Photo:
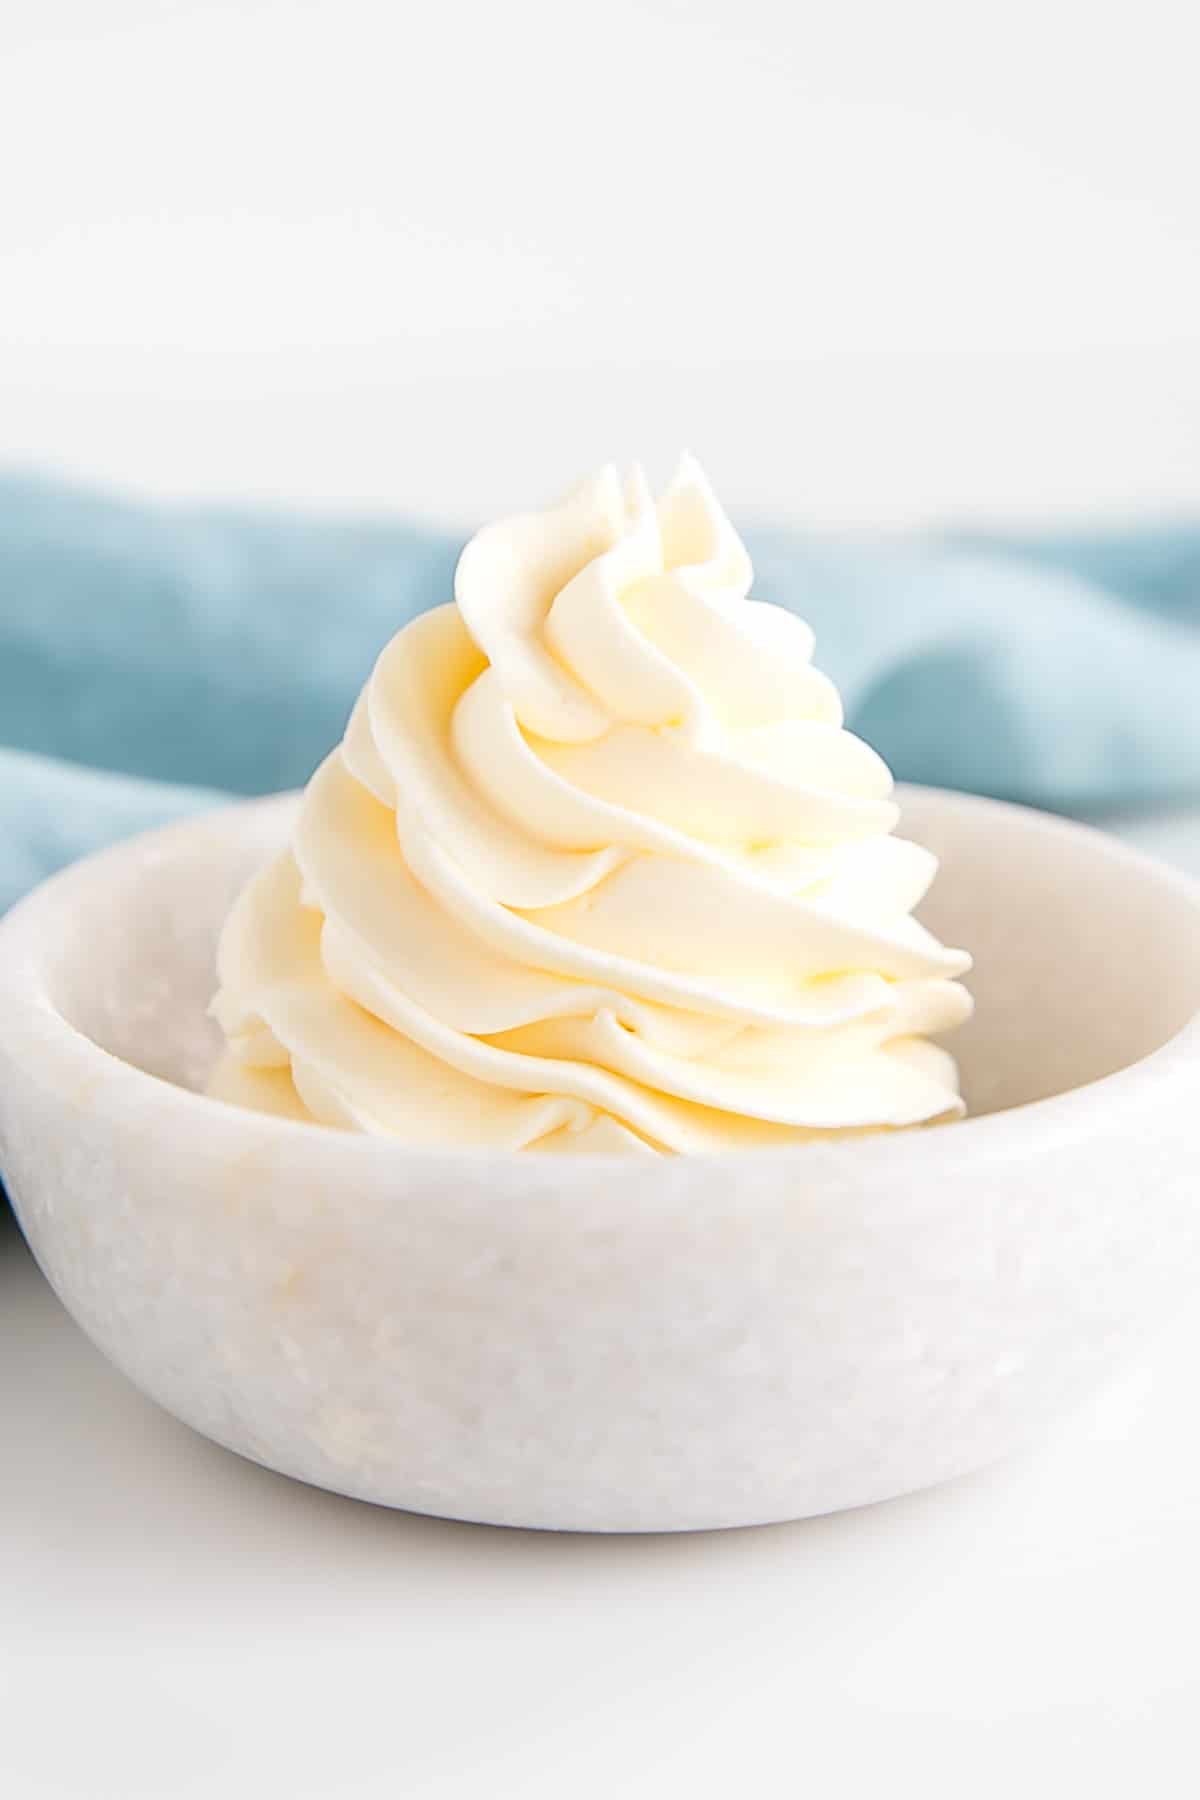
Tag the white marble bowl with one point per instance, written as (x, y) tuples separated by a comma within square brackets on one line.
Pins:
[(610, 1344)]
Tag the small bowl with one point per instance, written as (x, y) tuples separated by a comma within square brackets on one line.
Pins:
[(603, 1343)]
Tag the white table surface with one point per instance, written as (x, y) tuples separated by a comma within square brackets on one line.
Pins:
[(174, 1621)]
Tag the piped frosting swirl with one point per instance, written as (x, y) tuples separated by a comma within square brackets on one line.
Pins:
[(596, 866)]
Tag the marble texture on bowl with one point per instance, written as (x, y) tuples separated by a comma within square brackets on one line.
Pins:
[(614, 1344)]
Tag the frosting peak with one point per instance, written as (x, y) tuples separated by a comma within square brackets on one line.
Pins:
[(596, 866)]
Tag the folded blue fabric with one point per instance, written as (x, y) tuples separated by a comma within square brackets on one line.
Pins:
[(155, 658)]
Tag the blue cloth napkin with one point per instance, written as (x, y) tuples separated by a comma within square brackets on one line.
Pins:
[(154, 659)]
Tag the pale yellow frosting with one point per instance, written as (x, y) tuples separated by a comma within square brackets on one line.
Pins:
[(595, 867)]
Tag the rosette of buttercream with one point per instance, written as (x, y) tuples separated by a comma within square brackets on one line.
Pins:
[(597, 866)]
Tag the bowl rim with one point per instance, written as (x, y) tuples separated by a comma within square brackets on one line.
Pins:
[(1056, 1117)]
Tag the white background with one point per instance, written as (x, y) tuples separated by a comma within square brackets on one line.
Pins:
[(873, 262)]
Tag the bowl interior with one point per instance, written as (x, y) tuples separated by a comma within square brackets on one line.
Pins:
[(1087, 954), (1087, 958)]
